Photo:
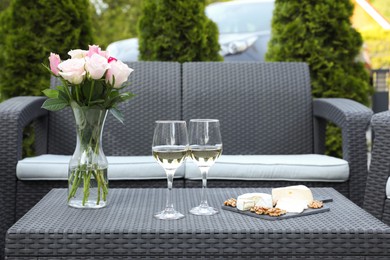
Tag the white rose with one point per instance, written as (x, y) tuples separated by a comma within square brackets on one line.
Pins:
[(77, 54), (72, 70), (118, 70), (96, 66)]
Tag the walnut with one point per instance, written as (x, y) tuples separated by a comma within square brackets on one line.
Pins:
[(231, 202), (259, 210), (316, 204), (275, 212)]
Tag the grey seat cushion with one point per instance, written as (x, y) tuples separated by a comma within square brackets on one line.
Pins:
[(306, 167), (55, 167), (309, 167), (388, 188)]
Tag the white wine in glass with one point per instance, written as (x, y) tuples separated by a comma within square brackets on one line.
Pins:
[(170, 148), (205, 147)]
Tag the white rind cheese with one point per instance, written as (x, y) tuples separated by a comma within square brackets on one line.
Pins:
[(249, 200), (298, 192), (291, 205)]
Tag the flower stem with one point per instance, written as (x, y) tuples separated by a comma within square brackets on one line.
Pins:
[(96, 176), (75, 184), (87, 180), (77, 93), (90, 92)]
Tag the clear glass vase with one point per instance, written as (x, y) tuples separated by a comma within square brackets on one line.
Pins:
[(87, 176)]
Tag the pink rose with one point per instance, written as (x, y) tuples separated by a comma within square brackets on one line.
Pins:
[(73, 70), (111, 59), (54, 60), (104, 54), (119, 71), (96, 66), (95, 49), (77, 54)]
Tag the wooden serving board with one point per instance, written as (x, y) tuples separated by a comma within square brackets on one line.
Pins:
[(306, 212)]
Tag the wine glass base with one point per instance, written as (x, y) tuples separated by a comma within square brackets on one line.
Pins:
[(203, 211), (169, 215)]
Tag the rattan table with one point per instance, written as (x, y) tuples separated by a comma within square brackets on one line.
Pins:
[(126, 228)]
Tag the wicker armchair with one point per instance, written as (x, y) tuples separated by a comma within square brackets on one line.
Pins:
[(377, 195)]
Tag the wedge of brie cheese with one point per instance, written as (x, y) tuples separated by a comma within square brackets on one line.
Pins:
[(291, 205), (249, 200), (298, 192)]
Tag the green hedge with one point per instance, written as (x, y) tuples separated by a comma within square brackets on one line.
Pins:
[(177, 30), (33, 29), (320, 33)]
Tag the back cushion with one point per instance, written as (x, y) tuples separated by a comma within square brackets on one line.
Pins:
[(263, 108), (157, 86)]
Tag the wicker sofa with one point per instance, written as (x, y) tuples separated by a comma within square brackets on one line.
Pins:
[(265, 109)]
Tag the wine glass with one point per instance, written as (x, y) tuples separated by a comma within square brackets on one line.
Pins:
[(170, 147), (205, 148)]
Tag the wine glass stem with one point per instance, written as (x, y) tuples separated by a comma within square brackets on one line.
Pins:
[(170, 174), (203, 201)]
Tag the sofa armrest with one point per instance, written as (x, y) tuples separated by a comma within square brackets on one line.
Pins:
[(375, 196), (15, 114), (353, 118), (18, 112)]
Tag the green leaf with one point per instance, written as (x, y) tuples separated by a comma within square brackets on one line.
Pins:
[(114, 94), (112, 99), (117, 114), (99, 89), (51, 93), (63, 93), (54, 104), (99, 101), (62, 88), (86, 89), (64, 96), (126, 96)]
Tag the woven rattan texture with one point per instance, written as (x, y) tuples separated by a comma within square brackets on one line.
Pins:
[(375, 200), (14, 116), (353, 118), (341, 187), (203, 257), (127, 228), (386, 212), (274, 112), (157, 87), (31, 192)]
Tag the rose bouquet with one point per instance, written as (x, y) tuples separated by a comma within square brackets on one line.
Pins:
[(91, 84), (89, 78)]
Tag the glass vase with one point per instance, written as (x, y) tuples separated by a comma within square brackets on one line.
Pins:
[(87, 176)]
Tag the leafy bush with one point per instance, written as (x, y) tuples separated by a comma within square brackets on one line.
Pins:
[(115, 20), (177, 30), (30, 30), (320, 34)]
